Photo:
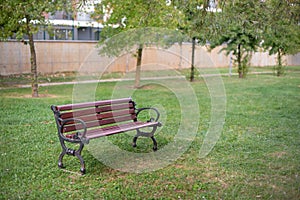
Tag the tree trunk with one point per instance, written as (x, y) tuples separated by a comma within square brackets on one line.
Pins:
[(239, 60), (192, 77), (279, 60), (34, 76), (138, 67)]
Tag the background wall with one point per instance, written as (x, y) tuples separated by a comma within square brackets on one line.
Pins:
[(62, 56)]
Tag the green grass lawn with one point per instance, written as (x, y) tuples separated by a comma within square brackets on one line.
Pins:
[(256, 157)]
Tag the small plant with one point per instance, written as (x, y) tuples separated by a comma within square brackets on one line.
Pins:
[(279, 70), (243, 64)]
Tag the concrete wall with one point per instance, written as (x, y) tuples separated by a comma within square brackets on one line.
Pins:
[(61, 56)]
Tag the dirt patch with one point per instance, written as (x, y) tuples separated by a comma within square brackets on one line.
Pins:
[(147, 87), (29, 96), (278, 154)]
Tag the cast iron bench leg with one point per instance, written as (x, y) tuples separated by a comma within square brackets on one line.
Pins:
[(153, 139), (134, 141), (154, 143), (78, 154), (61, 156), (71, 152)]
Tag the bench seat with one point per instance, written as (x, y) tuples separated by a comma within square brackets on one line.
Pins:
[(111, 130)]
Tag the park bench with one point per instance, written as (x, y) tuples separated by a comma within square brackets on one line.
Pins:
[(81, 122)]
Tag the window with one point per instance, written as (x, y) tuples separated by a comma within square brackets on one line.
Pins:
[(62, 34)]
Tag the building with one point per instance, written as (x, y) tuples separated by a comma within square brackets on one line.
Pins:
[(71, 26)]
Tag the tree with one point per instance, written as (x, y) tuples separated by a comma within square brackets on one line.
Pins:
[(137, 18), (282, 30), (198, 23), (21, 19), (239, 27)]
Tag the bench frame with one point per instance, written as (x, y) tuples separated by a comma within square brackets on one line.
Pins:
[(74, 129)]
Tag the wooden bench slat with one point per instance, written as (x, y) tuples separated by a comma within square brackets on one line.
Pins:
[(90, 111), (103, 116), (92, 124), (92, 104)]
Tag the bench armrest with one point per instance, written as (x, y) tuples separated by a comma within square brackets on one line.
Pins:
[(149, 108), (81, 136)]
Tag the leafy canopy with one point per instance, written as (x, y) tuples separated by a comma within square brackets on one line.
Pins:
[(15, 14), (282, 30), (144, 22), (199, 19), (238, 24), (239, 29)]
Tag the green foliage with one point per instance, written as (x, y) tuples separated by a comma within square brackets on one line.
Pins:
[(239, 30), (126, 41), (134, 24), (198, 24), (245, 25), (282, 31), (15, 13), (144, 23), (130, 14), (21, 19), (198, 21)]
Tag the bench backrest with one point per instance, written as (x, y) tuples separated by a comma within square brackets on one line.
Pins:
[(95, 114)]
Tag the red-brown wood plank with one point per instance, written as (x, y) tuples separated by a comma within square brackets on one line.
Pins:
[(92, 104), (103, 116), (89, 111), (92, 124)]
